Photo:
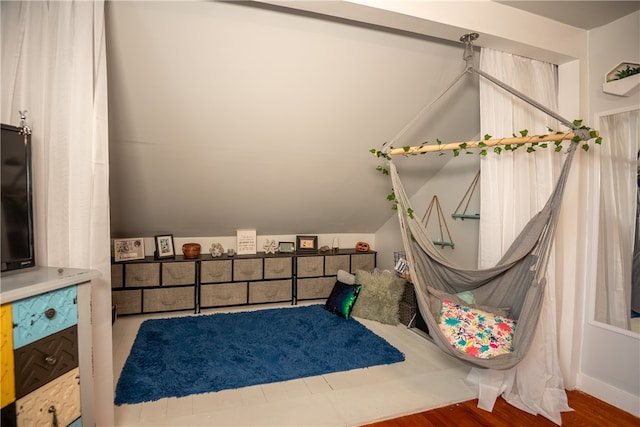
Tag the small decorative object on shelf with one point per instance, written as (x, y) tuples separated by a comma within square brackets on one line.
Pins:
[(191, 250), (128, 249), (270, 247), (216, 250), (231, 252), (363, 247), (325, 248), (402, 269), (335, 247), (164, 246)]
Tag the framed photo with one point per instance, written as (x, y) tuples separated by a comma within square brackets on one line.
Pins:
[(164, 246), (286, 247), (307, 243), (246, 242), (128, 249)]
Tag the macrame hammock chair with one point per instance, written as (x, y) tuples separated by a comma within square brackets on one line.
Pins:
[(516, 283)]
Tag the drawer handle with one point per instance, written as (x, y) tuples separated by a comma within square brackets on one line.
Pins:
[(52, 410), (51, 360), (50, 313)]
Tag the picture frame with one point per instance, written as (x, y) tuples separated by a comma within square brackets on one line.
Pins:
[(165, 247), (286, 247), (246, 241), (307, 243), (128, 249)]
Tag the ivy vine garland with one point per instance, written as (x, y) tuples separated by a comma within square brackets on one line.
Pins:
[(530, 148)]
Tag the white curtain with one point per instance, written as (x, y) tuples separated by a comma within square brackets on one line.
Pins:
[(618, 188), (513, 187), (54, 66)]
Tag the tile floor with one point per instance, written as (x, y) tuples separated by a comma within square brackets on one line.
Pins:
[(426, 379)]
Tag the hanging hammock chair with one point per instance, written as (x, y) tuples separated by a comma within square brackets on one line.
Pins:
[(509, 295)]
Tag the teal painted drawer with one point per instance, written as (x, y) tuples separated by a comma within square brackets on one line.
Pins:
[(42, 315)]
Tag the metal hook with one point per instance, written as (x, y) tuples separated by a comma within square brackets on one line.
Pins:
[(24, 128), (468, 40)]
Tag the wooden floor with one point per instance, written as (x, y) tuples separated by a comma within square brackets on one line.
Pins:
[(588, 412)]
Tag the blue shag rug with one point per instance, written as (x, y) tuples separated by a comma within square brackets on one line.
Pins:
[(199, 354)]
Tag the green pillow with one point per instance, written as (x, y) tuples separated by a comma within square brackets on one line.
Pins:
[(342, 299), (380, 296)]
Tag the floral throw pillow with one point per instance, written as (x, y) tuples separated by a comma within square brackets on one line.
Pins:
[(476, 332)]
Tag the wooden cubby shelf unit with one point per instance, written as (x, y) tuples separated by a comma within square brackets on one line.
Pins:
[(156, 285)]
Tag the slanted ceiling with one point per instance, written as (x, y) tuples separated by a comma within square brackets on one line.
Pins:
[(232, 115)]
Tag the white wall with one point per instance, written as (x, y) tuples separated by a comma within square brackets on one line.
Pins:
[(610, 365), (228, 115)]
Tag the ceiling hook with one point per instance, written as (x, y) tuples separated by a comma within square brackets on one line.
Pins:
[(468, 40)]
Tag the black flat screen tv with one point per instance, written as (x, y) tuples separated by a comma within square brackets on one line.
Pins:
[(17, 205)]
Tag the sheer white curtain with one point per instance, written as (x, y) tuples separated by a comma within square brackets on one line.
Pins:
[(54, 66), (618, 177), (513, 187)]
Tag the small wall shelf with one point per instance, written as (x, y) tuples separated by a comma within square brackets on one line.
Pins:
[(443, 244), (621, 87), (464, 216)]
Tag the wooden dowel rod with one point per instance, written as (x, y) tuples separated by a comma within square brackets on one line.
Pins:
[(488, 143)]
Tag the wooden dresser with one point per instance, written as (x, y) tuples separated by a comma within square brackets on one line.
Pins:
[(46, 347)]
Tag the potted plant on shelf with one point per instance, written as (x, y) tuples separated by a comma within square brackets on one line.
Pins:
[(622, 79)]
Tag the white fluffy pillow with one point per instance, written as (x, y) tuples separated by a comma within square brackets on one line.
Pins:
[(346, 277)]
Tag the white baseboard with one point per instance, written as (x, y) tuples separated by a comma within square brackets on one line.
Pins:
[(608, 393)]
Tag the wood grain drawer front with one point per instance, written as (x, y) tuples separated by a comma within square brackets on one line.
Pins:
[(310, 266), (45, 314), (63, 394), (278, 268), (247, 269), (271, 291), (178, 273), (222, 294), (315, 288), (7, 383), (143, 274), (168, 299), (127, 301), (215, 271), (117, 276), (40, 362), (363, 262), (334, 263)]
